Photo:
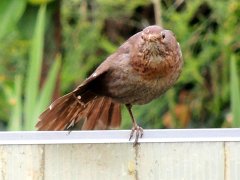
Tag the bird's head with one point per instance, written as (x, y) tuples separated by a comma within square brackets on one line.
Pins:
[(158, 42)]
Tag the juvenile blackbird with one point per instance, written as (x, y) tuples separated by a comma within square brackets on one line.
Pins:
[(141, 69)]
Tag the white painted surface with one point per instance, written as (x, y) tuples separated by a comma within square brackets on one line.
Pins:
[(179, 155), (21, 162), (232, 154), (119, 136)]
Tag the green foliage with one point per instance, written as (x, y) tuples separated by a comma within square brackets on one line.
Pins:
[(207, 42), (235, 93), (11, 49), (10, 12), (36, 101), (34, 68), (16, 116), (208, 32), (25, 111), (46, 93)]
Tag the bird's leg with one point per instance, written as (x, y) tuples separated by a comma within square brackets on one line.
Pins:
[(135, 127)]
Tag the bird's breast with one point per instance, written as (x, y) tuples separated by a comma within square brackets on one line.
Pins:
[(127, 86)]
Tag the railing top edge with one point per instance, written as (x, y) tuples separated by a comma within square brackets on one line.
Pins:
[(119, 136)]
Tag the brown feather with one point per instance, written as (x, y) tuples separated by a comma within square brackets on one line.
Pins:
[(67, 111), (61, 113), (104, 117), (93, 114), (116, 116), (100, 113)]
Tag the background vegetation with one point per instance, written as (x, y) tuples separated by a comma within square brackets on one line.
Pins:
[(47, 47)]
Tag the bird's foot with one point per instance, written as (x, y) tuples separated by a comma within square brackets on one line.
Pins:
[(139, 133)]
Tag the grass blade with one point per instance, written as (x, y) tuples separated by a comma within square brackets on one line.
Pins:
[(235, 93), (33, 74), (16, 116), (47, 91), (10, 12)]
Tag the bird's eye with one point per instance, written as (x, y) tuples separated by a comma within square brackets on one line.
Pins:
[(163, 35)]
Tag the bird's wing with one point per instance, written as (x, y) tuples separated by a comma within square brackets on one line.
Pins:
[(82, 103)]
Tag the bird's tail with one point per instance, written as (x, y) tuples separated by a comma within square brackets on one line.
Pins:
[(88, 110)]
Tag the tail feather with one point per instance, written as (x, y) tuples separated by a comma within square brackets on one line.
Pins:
[(108, 116), (105, 117), (100, 116), (60, 113), (67, 111), (116, 116), (93, 114)]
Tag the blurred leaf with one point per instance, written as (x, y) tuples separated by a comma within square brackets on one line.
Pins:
[(10, 12), (107, 45), (39, 2), (16, 116), (27, 22), (235, 93), (47, 91), (34, 69)]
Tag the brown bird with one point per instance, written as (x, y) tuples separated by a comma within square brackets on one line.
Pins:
[(141, 69)]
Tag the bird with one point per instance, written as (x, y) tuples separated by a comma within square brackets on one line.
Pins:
[(143, 68)]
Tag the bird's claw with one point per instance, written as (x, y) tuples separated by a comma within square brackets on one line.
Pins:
[(139, 133)]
